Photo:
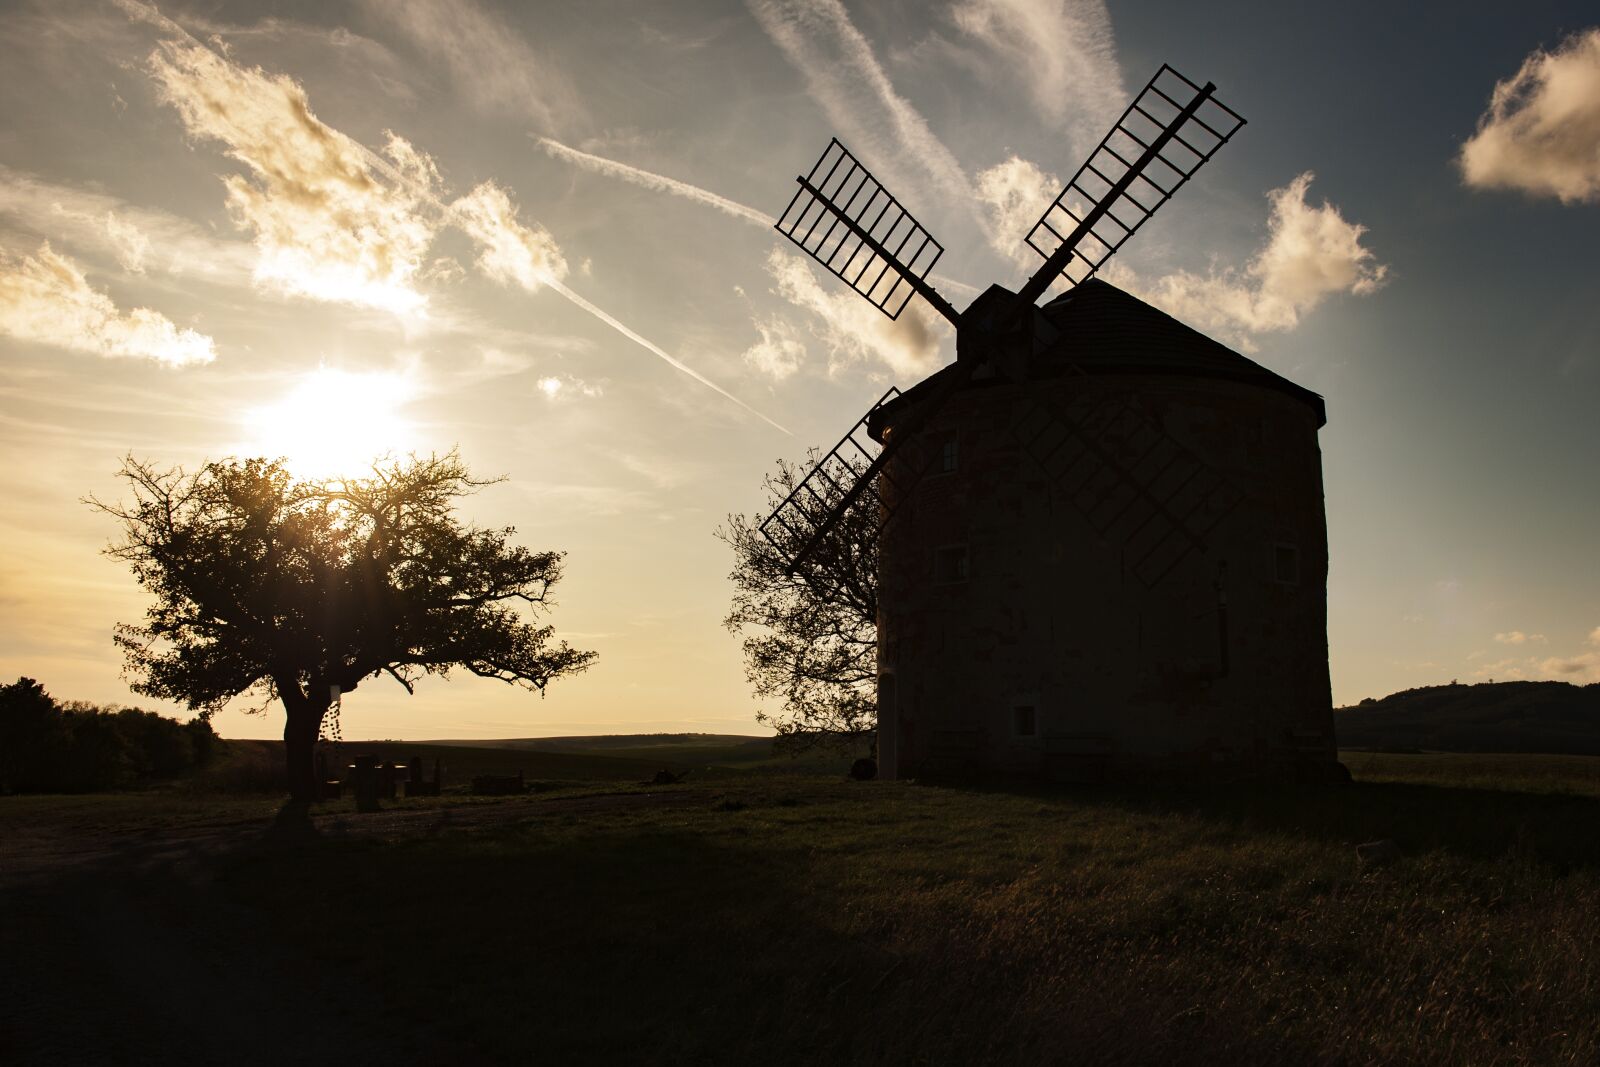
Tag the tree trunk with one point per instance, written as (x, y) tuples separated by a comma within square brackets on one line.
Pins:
[(300, 729)]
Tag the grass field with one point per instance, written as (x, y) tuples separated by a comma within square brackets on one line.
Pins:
[(804, 919), (546, 762)]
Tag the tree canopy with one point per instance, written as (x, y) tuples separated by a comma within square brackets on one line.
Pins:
[(810, 638), (284, 588)]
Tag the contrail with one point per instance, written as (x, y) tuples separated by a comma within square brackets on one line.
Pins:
[(658, 182), (651, 347), (149, 13)]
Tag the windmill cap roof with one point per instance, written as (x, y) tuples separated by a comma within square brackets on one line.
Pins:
[(1102, 328)]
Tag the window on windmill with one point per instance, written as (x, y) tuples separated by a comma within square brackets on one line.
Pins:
[(1287, 564), (948, 457), (1024, 723), (950, 564)]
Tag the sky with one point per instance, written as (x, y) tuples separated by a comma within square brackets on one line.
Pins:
[(542, 234)]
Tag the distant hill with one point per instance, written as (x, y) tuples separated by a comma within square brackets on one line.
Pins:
[(1553, 717)]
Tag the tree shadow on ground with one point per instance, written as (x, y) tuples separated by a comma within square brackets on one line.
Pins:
[(291, 827)]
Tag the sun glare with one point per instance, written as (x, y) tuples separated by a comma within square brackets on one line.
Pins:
[(335, 422)]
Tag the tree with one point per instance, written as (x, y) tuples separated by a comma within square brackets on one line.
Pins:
[(285, 589), (49, 746), (33, 739), (810, 639)]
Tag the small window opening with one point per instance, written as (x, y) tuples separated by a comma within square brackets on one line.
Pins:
[(1287, 561), (950, 564), (949, 457), (1023, 721)]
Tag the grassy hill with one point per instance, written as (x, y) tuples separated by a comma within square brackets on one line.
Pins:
[(1555, 717)]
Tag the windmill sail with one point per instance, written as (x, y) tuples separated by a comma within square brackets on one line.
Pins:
[(846, 220), (837, 481), (1167, 134)]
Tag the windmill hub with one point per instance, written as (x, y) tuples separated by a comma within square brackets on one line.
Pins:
[(998, 334)]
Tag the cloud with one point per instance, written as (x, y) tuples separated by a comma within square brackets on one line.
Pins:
[(852, 329), (660, 183), (508, 249), (487, 60), (328, 225), (1310, 254), (325, 222), (1015, 194), (673, 187), (779, 353), (1063, 50), (566, 387), (844, 77), (131, 245), (511, 252), (1541, 133), (1579, 668), (45, 298), (102, 226), (1587, 664)]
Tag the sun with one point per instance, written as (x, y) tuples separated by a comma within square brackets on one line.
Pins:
[(335, 422)]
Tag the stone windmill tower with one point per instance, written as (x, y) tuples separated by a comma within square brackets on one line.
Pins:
[(1102, 547)]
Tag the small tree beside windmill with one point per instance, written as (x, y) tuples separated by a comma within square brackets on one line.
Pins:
[(1102, 545)]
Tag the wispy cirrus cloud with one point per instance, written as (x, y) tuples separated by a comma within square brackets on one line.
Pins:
[(509, 250), (106, 227), (1064, 53), (487, 60), (45, 298), (660, 183), (326, 224), (845, 78), (780, 352), (1015, 194), (1541, 132), (336, 221), (512, 252), (1517, 637), (851, 329), (564, 387)]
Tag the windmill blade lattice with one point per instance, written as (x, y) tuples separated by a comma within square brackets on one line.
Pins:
[(797, 524), (1167, 134), (846, 220), (846, 478)]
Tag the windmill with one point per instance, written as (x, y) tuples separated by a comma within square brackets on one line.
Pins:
[(846, 220), (1059, 599)]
